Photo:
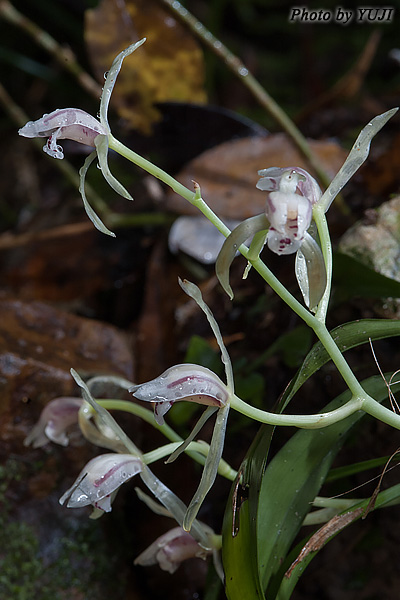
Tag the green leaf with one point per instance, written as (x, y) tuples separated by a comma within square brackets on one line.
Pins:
[(293, 479), (346, 336), (278, 500), (353, 278), (242, 581)]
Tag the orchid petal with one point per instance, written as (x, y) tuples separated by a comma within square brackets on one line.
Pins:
[(171, 549), (65, 123), (311, 272), (101, 143), (107, 419), (111, 79), (173, 504), (358, 154), (101, 435), (203, 419), (97, 222), (194, 292), (228, 251), (210, 467)]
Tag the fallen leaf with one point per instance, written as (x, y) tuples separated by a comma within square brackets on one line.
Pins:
[(168, 67), (227, 174)]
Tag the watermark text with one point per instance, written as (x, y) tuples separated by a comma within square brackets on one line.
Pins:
[(343, 16)]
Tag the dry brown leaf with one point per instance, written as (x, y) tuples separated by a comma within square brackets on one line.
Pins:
[(227, 174), (168, 67), (320, 537)]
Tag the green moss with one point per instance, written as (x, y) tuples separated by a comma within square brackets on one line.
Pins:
[(75, 564)]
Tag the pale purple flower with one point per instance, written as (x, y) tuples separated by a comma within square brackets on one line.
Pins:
[(56, 417), (293, 192), (61, 124), (98, 483), (171, 549), (76, 124), (189, 382)]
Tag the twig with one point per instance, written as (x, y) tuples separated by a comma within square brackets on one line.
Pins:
[(348, 85), (241, 71), (64, 56)]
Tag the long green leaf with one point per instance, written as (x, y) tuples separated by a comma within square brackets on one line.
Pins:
[(293, 479), (239, 555), (346, 336)]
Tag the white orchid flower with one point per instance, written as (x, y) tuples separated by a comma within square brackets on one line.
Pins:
[(289, 206), (79, 126), (288, 215), (99, 481), (189, 382)]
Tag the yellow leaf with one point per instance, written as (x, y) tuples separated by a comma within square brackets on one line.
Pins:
[(168, 67)]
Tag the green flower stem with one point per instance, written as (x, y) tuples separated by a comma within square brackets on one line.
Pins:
[(196, 451), (337, 503), (315, 421), (360, 399), (201, 447)]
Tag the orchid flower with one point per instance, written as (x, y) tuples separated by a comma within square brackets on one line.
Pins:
[(99, 481), (163, 494), (79, 126), (171, 549), (288, 214), (195, 383), (189, 382), (55, 419), (176, 545)]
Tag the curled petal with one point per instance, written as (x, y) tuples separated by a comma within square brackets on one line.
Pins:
[(105, 417), (97, 222), (56, 417), (189, 382), (171, 549), (111, 79), (194, 292), (239, 235), (203, 419), (100, 480), (311, 272), (210, 467), (101, 143)]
